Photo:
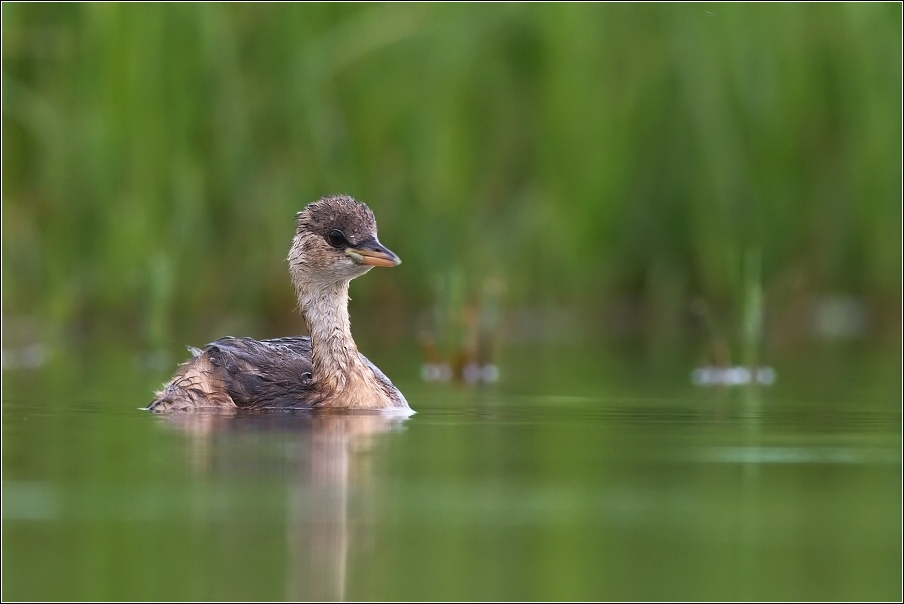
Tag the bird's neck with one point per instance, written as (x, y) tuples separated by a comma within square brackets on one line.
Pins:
[(336, 362)]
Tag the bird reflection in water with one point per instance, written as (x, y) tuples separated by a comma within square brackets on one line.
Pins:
[(329, 469)]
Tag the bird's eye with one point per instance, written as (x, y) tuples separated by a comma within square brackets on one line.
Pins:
[(336, 238)]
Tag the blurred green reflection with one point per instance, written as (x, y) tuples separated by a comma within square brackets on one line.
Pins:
[(642, 487)]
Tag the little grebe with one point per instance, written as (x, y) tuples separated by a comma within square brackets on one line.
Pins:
[(335, 241)]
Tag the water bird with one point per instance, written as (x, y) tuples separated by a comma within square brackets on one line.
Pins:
[(335, 241)]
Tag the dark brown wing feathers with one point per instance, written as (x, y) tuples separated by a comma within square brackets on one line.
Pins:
[(244, 373)]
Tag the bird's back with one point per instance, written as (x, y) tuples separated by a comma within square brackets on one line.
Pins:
[(243, 373)]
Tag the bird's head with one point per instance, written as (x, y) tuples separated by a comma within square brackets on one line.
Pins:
[(336, 240)]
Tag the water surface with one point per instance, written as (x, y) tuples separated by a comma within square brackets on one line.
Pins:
[(631, 489)]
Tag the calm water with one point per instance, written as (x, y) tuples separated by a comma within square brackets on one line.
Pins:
[(593, 482)]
